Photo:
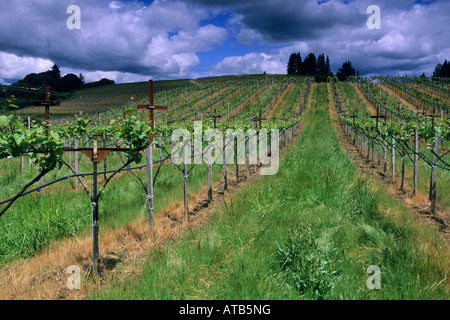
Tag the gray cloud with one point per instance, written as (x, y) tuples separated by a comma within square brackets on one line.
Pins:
[(131, 40), (285, 21), (413, 37), (160, 39)]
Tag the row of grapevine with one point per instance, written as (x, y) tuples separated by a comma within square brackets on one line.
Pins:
[(398, 137), (420, 99), (128, 132)]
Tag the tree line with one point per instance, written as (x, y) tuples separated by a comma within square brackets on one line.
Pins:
[(442, 70), (23, 97), (318, 67)]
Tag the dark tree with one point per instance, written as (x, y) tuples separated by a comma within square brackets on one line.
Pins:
[(295, 64), (291, 64), (55, 72), (442, 70), (71, 82), (345, 71), (321, 65), (327, 66), (100, 83), (35, 80), (298, 63), (310, 64), (82, 78)]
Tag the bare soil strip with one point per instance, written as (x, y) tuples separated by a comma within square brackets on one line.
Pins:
[(225, 100), (211, 97), (368, 105), (419, 204), (280, 101), (239, 109), (398, 97)]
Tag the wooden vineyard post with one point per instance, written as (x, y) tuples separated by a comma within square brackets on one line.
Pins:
[(416, 157), (215, 115), (367, 146), (403, 169), (105, 163), (355, 115), (432, 194), (95, 224), (30, 162), (185, 185), (379, 148), (433, 190), (21, 163), (373, 149), (160, 148), (225, 166), (385, 153), (247, 157), (151, 107), (210, 184), (236, 162), (69, 144), (393, 159), (77, 171), (96, 155), (149, 163), (377, 131), (47, 104), (258, 120)]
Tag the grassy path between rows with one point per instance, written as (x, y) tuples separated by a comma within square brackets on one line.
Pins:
[(309, 232)]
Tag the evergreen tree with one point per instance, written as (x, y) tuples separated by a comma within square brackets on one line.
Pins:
[(442, 70), (327, 66), (321, 66), (82, 78), (295, 64), (71, 82), (55, 72), (345, 71), (310, 64), (298, 63), (291, 64)]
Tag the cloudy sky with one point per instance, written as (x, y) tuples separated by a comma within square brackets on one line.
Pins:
[(130, 41)]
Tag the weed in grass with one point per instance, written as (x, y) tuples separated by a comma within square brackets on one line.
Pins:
[(311, 269)]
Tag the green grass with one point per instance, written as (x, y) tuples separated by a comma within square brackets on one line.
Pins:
[(309, 232), (36, 220), (289, 102), (353, 99)]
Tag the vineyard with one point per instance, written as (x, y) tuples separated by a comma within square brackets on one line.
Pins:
[(90, 166)]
